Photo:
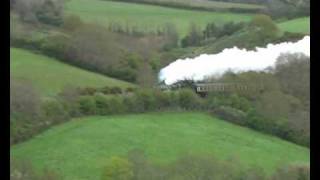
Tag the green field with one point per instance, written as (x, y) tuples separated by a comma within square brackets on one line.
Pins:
[(301, 25), (207, 4), (80, 148), (49, 76), (146, 17)]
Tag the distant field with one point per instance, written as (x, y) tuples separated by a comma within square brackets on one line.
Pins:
[(201, 4), (50, 76), (146, 17), (301, 25), (80, 148)]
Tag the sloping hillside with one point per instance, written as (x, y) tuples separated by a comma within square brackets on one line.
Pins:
[(301, 25), (146, 17), (51, 76), (80, 148)]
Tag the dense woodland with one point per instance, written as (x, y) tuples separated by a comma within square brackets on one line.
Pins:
[(282, 109)]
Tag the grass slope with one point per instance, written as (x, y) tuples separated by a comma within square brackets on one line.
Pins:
[(79, 149), (49, 76), (146, 17), (301, 25), (207, 4)]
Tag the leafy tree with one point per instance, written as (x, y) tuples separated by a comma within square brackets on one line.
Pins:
[(265, 26), (193, 38), (171, 36)]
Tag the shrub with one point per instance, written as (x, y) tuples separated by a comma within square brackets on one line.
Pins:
[(71, 23), (117, 169), (230, 114), (163, 100), (145, 100), (88, 91), (193, 38), (265, 26), (115, 90), (116, 105), (54, 112), (105, 90), (87, 105), (102, 104), (189, 100)]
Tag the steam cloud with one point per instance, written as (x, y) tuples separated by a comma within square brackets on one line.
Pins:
[(233, 59)]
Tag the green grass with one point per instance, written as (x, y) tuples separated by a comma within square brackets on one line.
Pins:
[(50, 76), (301, 25), (214, 5), (80, 148), (146, 17)]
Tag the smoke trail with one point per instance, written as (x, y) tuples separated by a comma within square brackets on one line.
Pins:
[(233, 59)]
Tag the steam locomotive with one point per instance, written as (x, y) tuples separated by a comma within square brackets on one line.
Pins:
[(203, 88)]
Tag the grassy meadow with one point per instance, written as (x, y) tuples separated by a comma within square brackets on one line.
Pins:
[(50, 76), (300, 25), (146, 17), (207, 4), (79, 149)]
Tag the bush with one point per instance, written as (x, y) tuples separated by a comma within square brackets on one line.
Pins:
[(118, 169), (163, 100), (86, 105), (88, 91), (71, 23), (145, 100), (54, 112), (115, 90), (102, 104), (116, 104), (189, 100), (193, 38), (265, 26), (230, 114)]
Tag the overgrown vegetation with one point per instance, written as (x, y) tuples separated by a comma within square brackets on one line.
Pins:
[(34, 11), (23, 169), (136, 166), (281, 108)]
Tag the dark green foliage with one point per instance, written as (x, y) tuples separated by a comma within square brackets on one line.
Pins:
[(145, 100), (102, 104), (211, 30), (264, 25), (115, 90), (71, 23), (87, 105), (171, 35), (51, 12), (54, 112), (33, 11), (193, 38), (230, 114), (88, 91), (189, 100)]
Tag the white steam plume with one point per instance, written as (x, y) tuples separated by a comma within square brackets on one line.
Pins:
[(233, 59)]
